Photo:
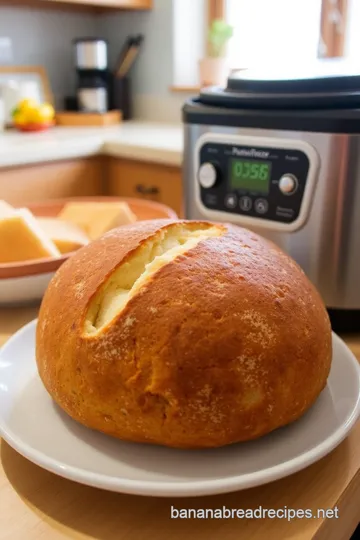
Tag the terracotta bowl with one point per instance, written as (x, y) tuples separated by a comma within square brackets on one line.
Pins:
[(142, 209)]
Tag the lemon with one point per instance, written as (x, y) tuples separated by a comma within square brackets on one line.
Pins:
[(46, 112), (30, 112), (27, 104), (25, 111), (20, 118), (33, 115)]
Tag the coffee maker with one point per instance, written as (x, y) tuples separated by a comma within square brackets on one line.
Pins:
[(91, 62)]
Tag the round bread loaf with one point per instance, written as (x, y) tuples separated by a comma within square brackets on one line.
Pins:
[(184, 334)]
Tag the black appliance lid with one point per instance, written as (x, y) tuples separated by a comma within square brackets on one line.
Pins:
[(330, 83)]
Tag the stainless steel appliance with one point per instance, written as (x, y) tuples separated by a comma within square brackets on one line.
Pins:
[(91, 62), (92, 95), (91, 54), (280, 154)]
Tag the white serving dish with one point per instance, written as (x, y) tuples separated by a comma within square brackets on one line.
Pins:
[(34, 426)]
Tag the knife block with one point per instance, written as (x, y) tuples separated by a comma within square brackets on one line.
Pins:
[(121, 97)]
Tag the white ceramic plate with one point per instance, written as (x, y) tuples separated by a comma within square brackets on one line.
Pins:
[(23, 290), (40, 431)]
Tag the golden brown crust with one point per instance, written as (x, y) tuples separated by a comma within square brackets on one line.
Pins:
[(224, 344)]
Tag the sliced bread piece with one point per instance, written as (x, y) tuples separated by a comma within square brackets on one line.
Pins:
[(22, 238), (66, 236)]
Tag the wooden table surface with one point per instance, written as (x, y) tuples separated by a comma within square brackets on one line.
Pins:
[(37, 505)]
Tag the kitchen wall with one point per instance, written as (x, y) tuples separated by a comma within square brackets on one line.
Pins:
[(44, 37), (153, 72)]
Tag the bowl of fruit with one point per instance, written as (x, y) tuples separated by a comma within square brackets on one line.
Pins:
[(31, 116)]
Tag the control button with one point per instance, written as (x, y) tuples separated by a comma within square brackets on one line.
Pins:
[(211, 199), (245, 204), (207, 175), (261, 206), (287, 213), (288, 184), (230, 201)]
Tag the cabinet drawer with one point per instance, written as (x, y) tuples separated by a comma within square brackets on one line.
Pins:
[(149, 181)]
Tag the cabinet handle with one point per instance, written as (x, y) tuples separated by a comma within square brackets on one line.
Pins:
[(151, 190)]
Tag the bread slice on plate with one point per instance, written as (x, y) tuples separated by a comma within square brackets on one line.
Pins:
[(66, 236), (97, 218), (22, 238)]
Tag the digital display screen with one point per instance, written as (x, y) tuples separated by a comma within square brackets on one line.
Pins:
[(250, 175)]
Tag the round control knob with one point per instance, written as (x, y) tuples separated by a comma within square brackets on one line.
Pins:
[(208, 175), (288, 184)]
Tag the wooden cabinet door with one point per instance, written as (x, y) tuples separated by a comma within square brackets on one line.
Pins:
[(121, 4), (33, 183), (128, 178)]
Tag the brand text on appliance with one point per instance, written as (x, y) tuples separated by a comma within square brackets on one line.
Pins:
[(250, 152)]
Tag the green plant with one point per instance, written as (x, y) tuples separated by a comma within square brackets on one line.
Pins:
[(219, 34)]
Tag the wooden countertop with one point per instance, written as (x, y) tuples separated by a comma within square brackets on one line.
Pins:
[(35, 504)]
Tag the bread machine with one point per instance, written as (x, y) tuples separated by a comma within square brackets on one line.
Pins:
[(279, 153)]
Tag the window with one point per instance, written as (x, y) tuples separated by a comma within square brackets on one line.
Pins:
[(189, 24), (273, 31), (352, 34), (270, 32)]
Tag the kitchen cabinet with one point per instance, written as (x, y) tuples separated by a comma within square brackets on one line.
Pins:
[(121, 4), (71, 178), (150, 181), (125, 4), (100, 175), (105, 4)]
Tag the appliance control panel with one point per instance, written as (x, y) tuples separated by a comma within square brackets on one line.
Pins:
[(255, 181)]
